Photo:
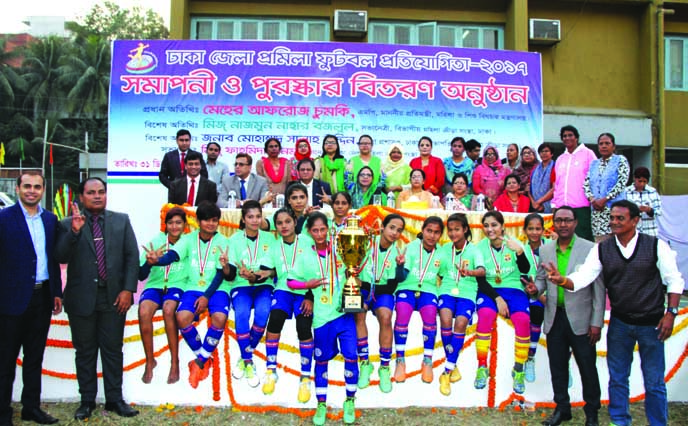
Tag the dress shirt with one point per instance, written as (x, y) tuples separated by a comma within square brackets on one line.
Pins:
[(37, 231), (666, 263), (216, 172), (309, 187)]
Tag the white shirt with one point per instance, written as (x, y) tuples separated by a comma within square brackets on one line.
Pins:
[(666, 263), (188, 187), (309, 187)]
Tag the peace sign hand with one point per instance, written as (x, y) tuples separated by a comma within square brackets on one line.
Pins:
[(152, 255), (512, 244), (324, 197), (78, 219), (401, 257), (553, 273), (224, 257)]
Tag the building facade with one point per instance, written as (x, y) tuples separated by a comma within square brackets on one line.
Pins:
[(618, 66)]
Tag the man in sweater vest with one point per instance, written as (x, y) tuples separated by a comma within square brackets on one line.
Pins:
[(633, 267)]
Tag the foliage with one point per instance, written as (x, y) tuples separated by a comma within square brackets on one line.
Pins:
[(111, 22)]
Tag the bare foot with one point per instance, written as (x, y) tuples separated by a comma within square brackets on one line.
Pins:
[(173, 377), (148, 372)]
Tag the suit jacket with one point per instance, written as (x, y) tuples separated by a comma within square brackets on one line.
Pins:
[(584, 308), (255, 189), (177, 192), (79, 253), (171, 168), (18, 260)]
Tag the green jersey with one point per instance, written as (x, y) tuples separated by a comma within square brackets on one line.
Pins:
[(500, 266), (533, 258), (423, 267), (250, 253), (201, 259), (327, 302), (380, 265), (161, 277), (282, 258), (453, 283)]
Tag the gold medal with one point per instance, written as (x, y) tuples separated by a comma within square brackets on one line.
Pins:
[(455, 292), (166, 279), (498, 278), (324, 299), (417, 294), (201, 283)]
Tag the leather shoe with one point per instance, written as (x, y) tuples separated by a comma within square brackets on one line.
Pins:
[(85, 410), (39, 416), (121, 408), (592, 421), (557, 418)]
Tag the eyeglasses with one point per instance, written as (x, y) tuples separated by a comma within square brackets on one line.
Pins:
[(330, 143), (564, 220), (240, 164), (365, 175), (365, 143), (416, 177)]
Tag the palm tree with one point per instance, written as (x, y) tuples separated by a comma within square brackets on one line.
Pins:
[(10, 81), (85, 76), (40, 73)]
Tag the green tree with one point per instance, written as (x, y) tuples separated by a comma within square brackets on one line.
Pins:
[(10, 80), (110, 21), (40, 67), (85, 76)]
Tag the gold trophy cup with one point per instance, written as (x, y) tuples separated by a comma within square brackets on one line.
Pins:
[(352, 246)]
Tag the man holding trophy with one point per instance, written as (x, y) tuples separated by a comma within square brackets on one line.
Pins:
[(323, 269)]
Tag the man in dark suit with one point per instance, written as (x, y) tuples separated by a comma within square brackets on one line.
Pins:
[(193, 188), (254, 187), (172, 167), (573, 321), (100, 250), (30, 289), (318, 191)]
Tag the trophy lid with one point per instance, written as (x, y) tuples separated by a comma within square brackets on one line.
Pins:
[(353, 221)]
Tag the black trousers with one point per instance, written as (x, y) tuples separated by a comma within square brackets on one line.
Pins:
[(559, 340), (102, 331), (30, 332)]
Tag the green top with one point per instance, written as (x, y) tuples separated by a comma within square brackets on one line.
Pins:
[(326, 306), (197, 254), (563, 265), (161, 277), (355, 164), (250, 253), (380, 265), (451, 260), (332, 172), (505, 258), (282, 258), (423, 267)]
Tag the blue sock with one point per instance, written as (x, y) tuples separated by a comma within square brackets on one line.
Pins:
[(362, 348), (191, 337), (256, 334), (429, 335), (212, 339), (446, 334), (453, 355), (351, 377), (244, 342), (321, 380), (306, 349), (400, 336), (385, 356), (271, 348)]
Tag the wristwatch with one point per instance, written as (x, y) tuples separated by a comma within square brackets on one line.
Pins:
[(672, 310)]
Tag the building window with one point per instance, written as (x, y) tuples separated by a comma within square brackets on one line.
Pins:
[(437, 34), (259, 29), (676, 59)]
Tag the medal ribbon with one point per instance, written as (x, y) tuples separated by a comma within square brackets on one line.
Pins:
[(427, 265), (458, 271), (201, 264), (252, 258), (497, 265), (376, 256), (167, 268), (293, 257)]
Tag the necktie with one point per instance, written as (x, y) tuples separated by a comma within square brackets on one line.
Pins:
[(192, 190), (182, 162), (243, 189), (99, 244)]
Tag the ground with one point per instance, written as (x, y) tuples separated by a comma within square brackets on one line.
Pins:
[(170, 415)]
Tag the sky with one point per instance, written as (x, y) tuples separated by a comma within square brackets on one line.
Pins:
[(12, 17)]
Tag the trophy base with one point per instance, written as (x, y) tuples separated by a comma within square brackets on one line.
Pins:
[(352, 304)]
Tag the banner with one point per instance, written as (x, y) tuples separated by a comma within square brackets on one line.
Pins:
[(240, 93)]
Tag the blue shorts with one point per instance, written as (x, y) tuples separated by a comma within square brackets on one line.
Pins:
[(536, 302), (457, 305), (160, 296), (219, 302), (251, 297), (516, 300), (338, 335), (380, 301), (288, 302), (409, 296)]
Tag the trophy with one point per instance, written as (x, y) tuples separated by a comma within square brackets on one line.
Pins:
[(352, 247)]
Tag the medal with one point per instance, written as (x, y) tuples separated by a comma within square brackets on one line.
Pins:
[(376, 255), (167, 268), (323, 271), (498, 269), (461, 262), (324, 299), (424, 269), (417, 294), (293, 256), (202, 263), (252, 257), (498, 278)]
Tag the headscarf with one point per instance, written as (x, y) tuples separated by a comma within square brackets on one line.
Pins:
[(298, 157), (358, 196), (523, 171), (497, 165), (390, 166)]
